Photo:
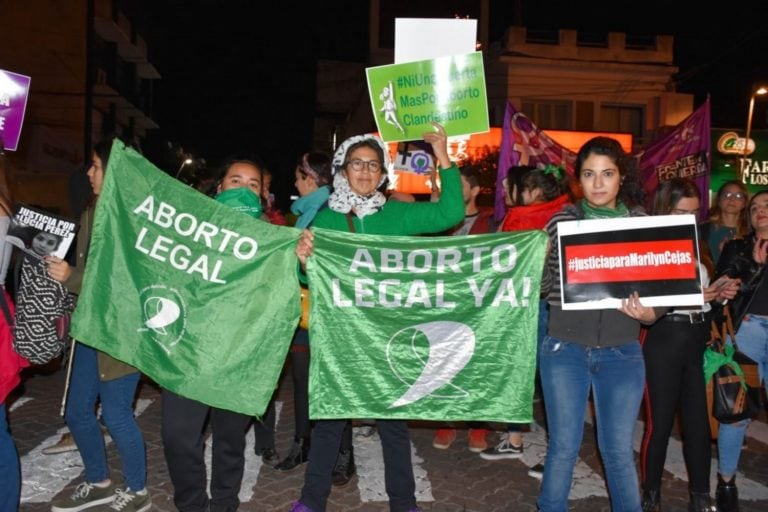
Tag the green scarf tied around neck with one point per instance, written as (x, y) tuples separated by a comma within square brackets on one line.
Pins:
[(602, 212)]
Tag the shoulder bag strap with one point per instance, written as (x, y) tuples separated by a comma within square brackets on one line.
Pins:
[(6, 309)]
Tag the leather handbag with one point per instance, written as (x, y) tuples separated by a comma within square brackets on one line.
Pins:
[(733, 389)]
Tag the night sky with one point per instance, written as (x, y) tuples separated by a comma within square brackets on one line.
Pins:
[(240, 75)]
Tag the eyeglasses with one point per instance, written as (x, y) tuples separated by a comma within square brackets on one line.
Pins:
[(734, 195), (680, 211), (357, 165)]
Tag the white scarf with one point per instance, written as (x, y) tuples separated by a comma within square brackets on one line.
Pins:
[(344, 200)]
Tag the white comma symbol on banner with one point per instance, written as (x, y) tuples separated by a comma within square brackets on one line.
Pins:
[(160, 313), (451, 346)]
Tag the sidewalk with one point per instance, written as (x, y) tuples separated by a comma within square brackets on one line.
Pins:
[(457, 479)]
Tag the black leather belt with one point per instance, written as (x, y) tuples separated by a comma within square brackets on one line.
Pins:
[(690, 318)]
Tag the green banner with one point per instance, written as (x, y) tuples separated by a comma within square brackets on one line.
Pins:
[(199, 297), (407, 98), (433, 328)]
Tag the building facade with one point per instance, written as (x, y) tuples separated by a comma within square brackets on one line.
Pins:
[(562, 79), (91, 77)]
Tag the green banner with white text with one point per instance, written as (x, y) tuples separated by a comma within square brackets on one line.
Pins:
[(406, 98), (201, 298), (432, 328)]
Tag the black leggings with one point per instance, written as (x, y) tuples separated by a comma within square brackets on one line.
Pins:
[(674, 353)]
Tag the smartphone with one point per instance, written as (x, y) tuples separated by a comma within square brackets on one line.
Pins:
[(722, 281)]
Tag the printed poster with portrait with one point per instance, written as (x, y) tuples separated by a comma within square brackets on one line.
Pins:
[(603, 261), (40, 233)]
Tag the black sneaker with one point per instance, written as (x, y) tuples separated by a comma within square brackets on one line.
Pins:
[(536, 471), (269, 456), (503, 450), (299, 454), (344, 470)]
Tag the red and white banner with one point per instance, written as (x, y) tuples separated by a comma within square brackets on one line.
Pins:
[(603, 261)]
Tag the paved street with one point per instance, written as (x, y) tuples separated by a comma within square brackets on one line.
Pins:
[(450, 480)]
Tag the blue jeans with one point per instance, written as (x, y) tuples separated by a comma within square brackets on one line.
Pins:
[(10, 481), (752, 340), (117, 413), (616, 376)]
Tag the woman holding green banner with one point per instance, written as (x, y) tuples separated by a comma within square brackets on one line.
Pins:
[(358, 205), (184, 419), (595, 350), (97, 376)]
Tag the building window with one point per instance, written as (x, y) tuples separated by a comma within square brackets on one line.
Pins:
[(547, 114), (622, 118)]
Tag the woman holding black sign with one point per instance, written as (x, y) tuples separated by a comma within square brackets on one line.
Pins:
[(595, 350)]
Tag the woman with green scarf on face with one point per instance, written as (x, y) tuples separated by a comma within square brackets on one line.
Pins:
[(595, 350), (183, 419)]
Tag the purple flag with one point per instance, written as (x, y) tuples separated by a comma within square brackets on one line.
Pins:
[(13, 102), (523, 143), (682, 153)]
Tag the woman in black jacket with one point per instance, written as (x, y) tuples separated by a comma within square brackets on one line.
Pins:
[(745, 259)]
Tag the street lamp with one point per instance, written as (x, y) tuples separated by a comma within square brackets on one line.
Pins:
[(186, 161), (758, 92)]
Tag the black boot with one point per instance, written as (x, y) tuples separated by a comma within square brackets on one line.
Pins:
[(345, 468), (299, 454), (268, 456), (651, 500), (726, 495), (701, 502)]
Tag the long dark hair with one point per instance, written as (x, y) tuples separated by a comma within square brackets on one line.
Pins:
[(552, 186), (221, 173), (670, 193), (101, 149), (319, 163), (716, 214), (749, 206), (631, 191)]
